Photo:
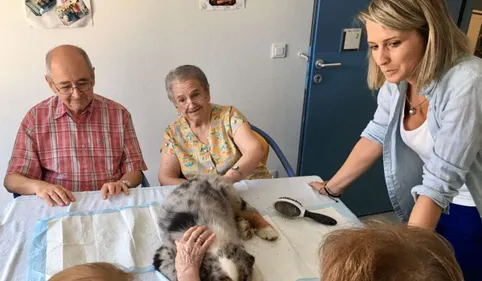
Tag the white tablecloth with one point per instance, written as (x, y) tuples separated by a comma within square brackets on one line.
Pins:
[(18, 219)]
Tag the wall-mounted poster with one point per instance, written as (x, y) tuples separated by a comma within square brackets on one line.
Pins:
[(58, 13), (221, 5)]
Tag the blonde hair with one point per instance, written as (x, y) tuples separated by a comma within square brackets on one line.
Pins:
[(99, 271), (445, 42), (384, 252)]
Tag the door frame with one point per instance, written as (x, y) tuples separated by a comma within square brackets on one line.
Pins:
[(309, 72)]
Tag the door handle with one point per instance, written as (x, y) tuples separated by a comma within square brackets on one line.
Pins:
[(304, 56), (322, 64)]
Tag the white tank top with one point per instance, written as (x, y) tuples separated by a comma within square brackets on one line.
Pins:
[(421, 141)]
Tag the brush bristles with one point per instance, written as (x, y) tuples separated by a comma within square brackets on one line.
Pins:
[(289, 198)]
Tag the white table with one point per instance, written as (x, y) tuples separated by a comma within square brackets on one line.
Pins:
[(18, 219)]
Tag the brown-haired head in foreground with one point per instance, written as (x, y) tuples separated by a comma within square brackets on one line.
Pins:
[(99, 271), (384, 252)]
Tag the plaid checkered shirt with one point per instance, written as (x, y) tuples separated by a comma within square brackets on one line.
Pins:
[(80, 154)]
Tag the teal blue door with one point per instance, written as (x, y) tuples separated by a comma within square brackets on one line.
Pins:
[(338, 104)]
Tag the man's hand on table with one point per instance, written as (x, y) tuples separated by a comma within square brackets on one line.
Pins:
[(54, 194), (57, 195), (113, 188)]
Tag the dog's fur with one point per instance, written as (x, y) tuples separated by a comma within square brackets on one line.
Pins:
[(213, 202)]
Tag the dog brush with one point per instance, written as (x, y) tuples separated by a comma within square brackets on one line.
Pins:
[(291, 208)]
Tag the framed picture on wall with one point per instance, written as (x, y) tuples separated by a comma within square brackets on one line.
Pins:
[(72, 11), (222, 2), (221, 5), (58, 13), (40, 7)]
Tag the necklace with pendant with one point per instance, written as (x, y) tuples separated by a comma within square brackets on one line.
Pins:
[(413, 109)]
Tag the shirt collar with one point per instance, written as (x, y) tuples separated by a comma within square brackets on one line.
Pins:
[(425, 91), (61, 109)]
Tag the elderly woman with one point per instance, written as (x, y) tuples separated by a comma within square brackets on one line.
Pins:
[(206, 138)]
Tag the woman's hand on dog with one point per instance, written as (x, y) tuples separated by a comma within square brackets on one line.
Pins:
[(191, 249)]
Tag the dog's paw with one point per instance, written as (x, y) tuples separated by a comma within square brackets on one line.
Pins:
[(244, 229), (267, 233)]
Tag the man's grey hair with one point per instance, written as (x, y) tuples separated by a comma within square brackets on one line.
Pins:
[(184, 73), (48, 58)]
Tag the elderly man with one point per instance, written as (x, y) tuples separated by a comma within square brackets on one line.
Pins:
[(75, 140)]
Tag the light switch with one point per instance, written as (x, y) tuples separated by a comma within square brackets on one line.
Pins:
[(278, 51)]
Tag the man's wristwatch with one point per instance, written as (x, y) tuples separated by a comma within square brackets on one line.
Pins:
[(127, 183), (236, 168)]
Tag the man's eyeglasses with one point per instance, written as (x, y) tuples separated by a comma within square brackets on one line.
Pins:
[(68, 89)]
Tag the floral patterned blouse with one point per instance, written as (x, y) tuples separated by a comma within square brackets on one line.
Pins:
[(216, 156)]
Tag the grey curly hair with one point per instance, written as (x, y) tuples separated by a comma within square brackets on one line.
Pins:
[(184, 73)]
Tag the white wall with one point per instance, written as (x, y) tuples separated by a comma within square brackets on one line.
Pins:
[(133, 44)]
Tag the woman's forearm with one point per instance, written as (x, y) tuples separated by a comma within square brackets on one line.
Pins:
[(170, 170), (365, 153), (426, 213), (168, 180), (247, 164)]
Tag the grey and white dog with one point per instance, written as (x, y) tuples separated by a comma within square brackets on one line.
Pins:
[(213, 202)]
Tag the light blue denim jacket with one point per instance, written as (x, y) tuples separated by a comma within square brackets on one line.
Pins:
[(455, 122)]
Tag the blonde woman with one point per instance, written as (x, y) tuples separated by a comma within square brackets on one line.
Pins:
[(428, 124), (206, 138)]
